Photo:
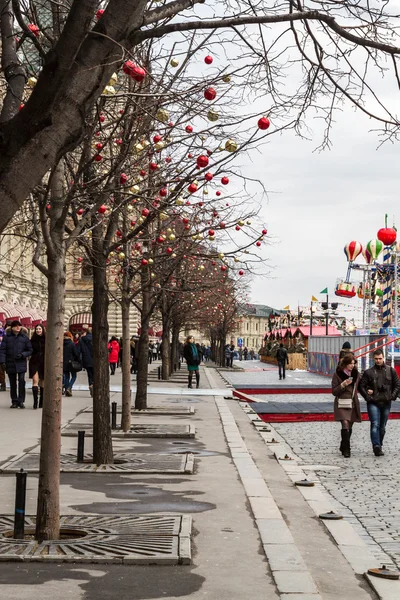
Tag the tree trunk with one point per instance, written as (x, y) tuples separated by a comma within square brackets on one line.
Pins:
[(143, 357), (48, 503), (165, 351), (102, 440), (174, 346), (126, 367)]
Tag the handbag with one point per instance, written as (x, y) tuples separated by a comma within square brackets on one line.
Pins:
[(75, 365), (347, 402)]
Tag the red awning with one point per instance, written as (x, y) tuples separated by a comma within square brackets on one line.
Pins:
[(81, 319), (27, 316)]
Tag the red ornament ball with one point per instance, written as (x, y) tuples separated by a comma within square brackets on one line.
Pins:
[(157, 138), (208, 60), (98, 158), (241, 272), (102, 209), (264, 232), (218, 193), (224, 180), (145, 212), (123, 178), (208, 176), (192, 188), (34, 29), (188, 129), (163, 192), (153, 166), (263, 123), (210, 94), (202, 161), (100, 13)]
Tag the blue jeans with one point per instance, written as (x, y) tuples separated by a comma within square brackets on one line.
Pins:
[(69, 379), (378, 415)]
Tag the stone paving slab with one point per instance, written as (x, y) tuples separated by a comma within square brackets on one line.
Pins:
[(140, 539), (124, 463), (136, 431)]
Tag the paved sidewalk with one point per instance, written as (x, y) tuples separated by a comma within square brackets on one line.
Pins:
[(255, 537)]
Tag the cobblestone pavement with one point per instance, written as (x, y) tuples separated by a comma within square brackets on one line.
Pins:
[(366, 489)]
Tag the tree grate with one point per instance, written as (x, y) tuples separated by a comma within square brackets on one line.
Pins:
[(154, 411), (136, 431), (139, 539), (130, 463)]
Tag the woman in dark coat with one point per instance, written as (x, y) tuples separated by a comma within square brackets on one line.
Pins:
[(70, 353), (36, 364), (347, 406), (192, 357)]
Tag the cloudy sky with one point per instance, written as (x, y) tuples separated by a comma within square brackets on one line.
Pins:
[(320, 201)]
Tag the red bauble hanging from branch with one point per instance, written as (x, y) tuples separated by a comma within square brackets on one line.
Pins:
[(202, 162), (210, 94), (263, 123)]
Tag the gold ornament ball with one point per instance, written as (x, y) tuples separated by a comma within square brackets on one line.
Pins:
[(138, 148), (179, 201), (172, 237), (150, 261), (121, 255), (212, 115), (163, 216), (241, 223), (109, 90), (162, 115), (226, 78), (221, 255), (114, 79), (231, 146), (159, 145), (174, 63), (32, 81)]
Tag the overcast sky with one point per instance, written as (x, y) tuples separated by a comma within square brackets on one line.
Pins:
[(320, 201)]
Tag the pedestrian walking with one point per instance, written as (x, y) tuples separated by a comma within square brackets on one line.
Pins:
[(240, 353), (192, 357), (15, 348), (245, 352), (155, 353), (86, 354), (2, 372), (36, 365), (227, 356), (346, 349), (70, 358), (379, 386), (252, 354), (345, 382), (113, 353), (133, 343), (283, 359)]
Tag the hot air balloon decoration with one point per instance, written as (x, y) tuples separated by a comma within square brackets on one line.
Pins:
[(352, 250)]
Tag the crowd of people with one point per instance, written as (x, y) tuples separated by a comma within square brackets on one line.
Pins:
[(19, 354)]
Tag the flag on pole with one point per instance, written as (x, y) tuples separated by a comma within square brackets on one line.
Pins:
[(314, 299), (324, 291), (286, 307)]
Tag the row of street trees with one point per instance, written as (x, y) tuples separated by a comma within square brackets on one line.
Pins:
[(120, 146)]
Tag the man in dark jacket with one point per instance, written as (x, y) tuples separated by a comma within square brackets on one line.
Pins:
[(86, 351), (379, 386), (15, 348), (283, 359)]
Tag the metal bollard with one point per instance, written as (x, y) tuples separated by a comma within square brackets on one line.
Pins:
[(159, 372), (20, 497), (113, 415), (81, 446)]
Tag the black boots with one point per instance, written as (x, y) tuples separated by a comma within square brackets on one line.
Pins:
[(190, 380), (345, 445), (197, 379), (35, 391), (41, 398)]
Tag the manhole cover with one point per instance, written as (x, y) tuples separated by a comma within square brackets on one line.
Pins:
[(139, 539), (124, 463), (330, 516), (384, 573), (304, 483)]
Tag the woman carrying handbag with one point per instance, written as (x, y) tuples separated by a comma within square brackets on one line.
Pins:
[(347, 406)]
